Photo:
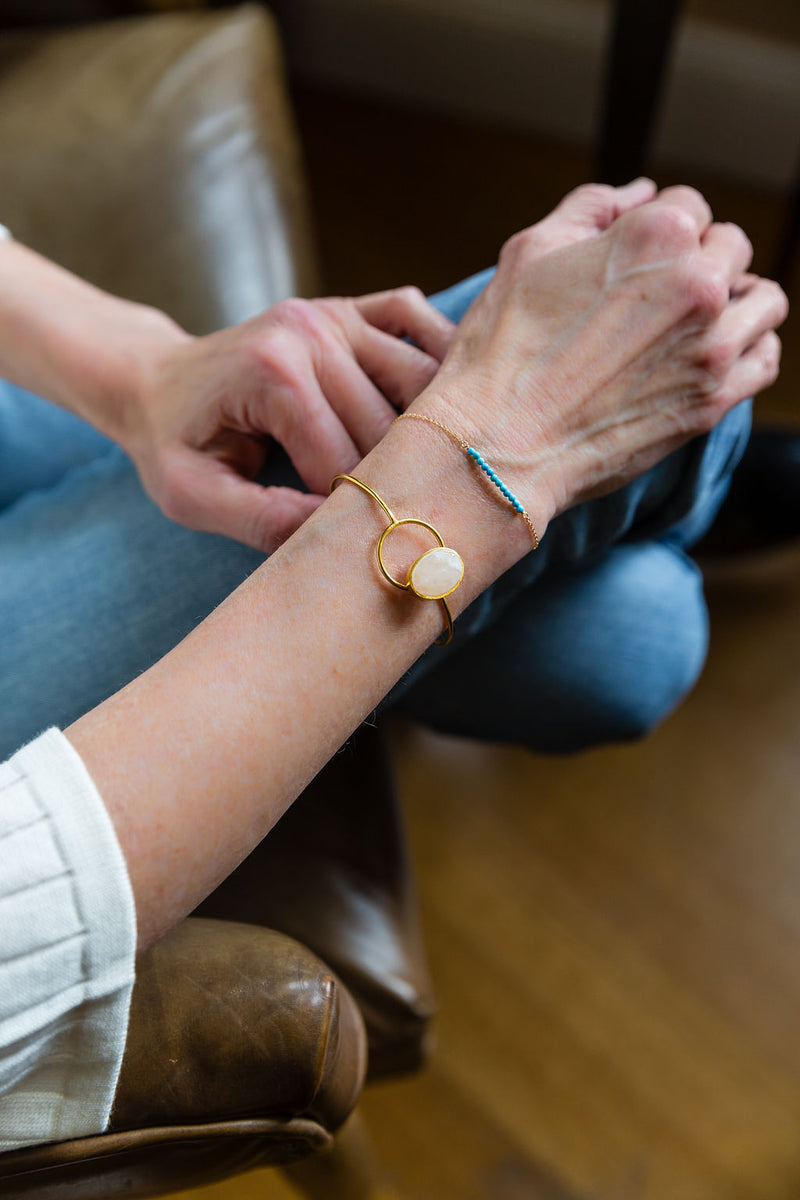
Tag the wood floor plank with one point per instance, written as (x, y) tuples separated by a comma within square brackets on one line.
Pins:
[(462, 1152), (592, 1052)]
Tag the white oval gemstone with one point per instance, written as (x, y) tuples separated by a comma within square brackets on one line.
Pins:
[(436, 574)]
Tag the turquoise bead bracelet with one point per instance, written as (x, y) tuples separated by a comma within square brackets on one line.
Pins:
[(488, 471), (495, 478)]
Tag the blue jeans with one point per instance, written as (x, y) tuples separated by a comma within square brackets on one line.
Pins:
[(593, 638)]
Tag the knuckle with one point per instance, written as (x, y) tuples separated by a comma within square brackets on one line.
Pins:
[(177, 500), (717, 356), (275, 353), (716, 405), (685, 195), (737, 234), (311, 321), (778, 301), (706, 290), (298, 415), (300, 326), (410, 295), (327, 309), (292, 421), (675, 226), (667, 227), (597, 200), (515, 246), (771, 349), (295, 312), (594, 193)]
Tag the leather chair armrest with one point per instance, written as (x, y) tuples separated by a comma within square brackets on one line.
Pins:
[(243, 1051), (336, 874), (156, 156)]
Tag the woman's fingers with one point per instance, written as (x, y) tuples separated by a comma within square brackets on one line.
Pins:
[(203, 492), (405, 313), (655, 237), (631, 195), (366, 369), (398, 368), (740, 355), (689, 201), (752, 372), (584, 213), (730, 249), (310, 430), (353, 388), (592, 207), (335, 372), (261, 517), (756, 306), (366, 382)]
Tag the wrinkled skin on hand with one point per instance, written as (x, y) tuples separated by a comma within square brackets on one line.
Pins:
[(320, 377), (324, 378), (577, 370)]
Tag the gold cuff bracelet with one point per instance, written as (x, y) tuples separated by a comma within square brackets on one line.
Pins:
[(432, 576)]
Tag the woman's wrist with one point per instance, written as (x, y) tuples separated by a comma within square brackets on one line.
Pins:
[(146, 340), (75, 344), (113, 363), (421, 472), (466, 404)]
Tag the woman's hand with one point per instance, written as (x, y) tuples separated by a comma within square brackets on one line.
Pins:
[(324, 378), (569, 367), (576, 371), (198, 415)]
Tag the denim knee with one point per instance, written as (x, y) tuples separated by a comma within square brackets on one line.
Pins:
[(598, 657), (655, 668), (640, 663)]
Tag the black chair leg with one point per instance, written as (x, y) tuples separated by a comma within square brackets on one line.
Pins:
[(641, 38)]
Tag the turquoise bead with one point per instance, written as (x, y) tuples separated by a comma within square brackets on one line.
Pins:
[(496, 480)]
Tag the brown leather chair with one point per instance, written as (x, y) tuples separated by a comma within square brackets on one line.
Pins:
[(243, 1051), (156, 157)]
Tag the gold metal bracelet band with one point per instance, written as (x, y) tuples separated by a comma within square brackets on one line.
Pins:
[(432, 576), (482, 465)]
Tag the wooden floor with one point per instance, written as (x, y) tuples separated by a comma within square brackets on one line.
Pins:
[(615, 937)]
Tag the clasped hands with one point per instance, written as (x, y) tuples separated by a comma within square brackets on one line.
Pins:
[(614, 330)]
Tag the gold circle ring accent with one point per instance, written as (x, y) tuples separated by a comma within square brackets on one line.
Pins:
[(396, 523)]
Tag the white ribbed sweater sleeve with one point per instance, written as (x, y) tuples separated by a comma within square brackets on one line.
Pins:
[(67, 946)]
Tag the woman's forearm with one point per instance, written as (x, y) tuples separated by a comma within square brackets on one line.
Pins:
[(73, 343), (569, 388), (199, 757)]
